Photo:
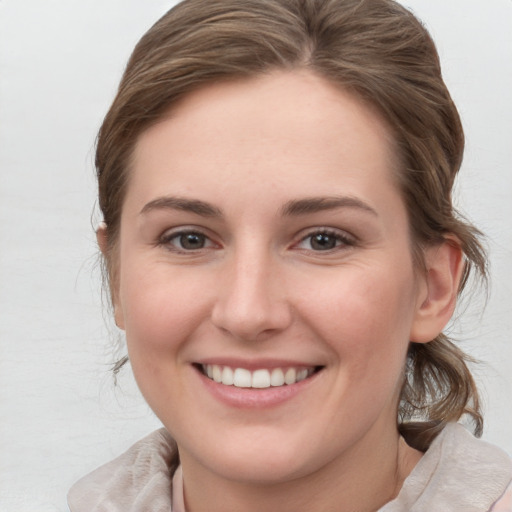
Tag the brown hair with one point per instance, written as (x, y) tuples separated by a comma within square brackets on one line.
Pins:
[(374, 48)]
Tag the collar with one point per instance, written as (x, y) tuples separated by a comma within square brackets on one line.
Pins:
[(457, 473)]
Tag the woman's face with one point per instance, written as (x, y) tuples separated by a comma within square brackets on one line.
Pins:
[(263, 241)]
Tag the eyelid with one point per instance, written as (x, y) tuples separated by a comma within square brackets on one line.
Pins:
[(169, 234), (346, 239)]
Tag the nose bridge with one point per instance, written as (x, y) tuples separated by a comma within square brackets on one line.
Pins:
[(252, 299)]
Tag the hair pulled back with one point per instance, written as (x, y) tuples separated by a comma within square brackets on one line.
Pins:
[(375, 49)]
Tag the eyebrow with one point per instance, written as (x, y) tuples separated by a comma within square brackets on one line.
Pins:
[(318, 204), (179, 203), (291, 208)]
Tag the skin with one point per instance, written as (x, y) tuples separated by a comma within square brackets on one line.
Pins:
[(256, 290)]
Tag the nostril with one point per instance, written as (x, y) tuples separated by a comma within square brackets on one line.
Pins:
[(251, 322)]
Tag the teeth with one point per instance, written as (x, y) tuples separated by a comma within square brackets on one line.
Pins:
[(277, 377), (259, 379), (242, 378), (227, 376), (290, 377), (217, 373), (302, 374)]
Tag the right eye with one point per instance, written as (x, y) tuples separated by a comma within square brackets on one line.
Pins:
[(185, 241)]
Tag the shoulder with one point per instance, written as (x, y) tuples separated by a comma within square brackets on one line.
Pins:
[(504, 504), (140, 476), (475, 470), (457, 473)]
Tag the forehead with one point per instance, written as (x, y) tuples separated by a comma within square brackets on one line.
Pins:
[(284, 103), (293, 127)]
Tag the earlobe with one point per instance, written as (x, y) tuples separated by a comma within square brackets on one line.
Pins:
[(444, 267), (102, 239), (118, 316)]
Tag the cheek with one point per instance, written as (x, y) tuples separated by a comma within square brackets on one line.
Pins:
[(160, 308), (365, 312), (162, 313)]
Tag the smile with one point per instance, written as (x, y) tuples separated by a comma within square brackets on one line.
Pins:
[(258, 379)]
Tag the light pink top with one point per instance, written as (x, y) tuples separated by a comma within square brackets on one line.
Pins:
[(457, 474)]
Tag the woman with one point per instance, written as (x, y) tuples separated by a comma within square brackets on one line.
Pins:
[(283, 255)]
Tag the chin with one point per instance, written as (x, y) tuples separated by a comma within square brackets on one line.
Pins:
[(264, 469), (258, 460)]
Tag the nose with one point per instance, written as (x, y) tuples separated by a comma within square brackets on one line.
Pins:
[(251, 302)]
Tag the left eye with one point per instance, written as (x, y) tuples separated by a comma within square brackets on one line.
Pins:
[(187, 241), (324, 241)]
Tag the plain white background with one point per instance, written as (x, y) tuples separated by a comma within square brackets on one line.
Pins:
[(60, 61)]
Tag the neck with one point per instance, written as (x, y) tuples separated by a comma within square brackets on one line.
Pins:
[(363, 480)]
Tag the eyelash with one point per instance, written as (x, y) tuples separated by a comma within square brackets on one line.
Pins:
[(167, 238), (341, 240)]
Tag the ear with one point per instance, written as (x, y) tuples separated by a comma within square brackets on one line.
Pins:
[(102, 239), (438, 294)]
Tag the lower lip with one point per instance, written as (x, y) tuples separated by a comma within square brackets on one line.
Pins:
[(251, 398)]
